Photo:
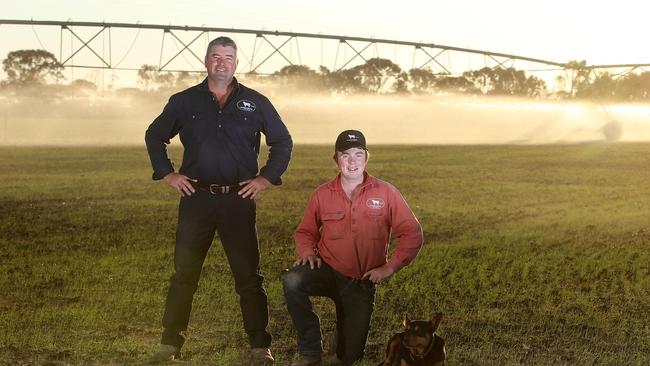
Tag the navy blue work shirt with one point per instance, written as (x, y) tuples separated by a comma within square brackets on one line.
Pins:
[(221, 146)]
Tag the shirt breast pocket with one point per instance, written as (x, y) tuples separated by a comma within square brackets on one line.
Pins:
[(333, 225), (377, 223), (195, 124), (247, 126)]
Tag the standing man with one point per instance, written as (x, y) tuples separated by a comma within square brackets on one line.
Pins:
[(342, 245), (219, 122)]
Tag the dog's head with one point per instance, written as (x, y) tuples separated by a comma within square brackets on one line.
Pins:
[(419, 335)]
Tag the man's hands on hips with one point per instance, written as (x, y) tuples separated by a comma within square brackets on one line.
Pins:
[(377, 275), (253, 186), (313, 260), (180, 183)]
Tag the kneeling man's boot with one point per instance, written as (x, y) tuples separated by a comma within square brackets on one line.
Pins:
[(261, 357), (307, 360), (165, 352)]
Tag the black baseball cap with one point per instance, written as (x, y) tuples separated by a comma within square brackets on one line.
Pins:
[(349, 139)]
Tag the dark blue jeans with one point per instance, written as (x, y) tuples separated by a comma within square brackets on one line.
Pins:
[(354, 301), (233, 218)]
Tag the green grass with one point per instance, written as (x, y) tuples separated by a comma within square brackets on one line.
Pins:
[(536, 255)]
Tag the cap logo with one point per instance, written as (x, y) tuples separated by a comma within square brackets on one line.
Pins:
[(349, 139), (375, 203), (246, 105)]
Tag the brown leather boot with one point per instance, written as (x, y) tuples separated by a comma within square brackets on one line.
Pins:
[(261, 357), (307, 360), (165, 353)]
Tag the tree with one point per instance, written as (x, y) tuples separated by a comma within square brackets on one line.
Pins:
[(456, 84), (481, 79), (343, 81), (534, 86), (25, 67), (82, 86), (152, 78), (300, 76), (184, 79), (633, 86), (295, 70), (422, 80), (378, 75), (146, 75), (602, 87), (505, 81), (401, 84), (577, 75)]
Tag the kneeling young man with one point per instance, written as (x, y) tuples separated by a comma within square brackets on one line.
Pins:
[(342, 245)]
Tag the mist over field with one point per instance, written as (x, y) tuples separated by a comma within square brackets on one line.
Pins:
[(314, 118)]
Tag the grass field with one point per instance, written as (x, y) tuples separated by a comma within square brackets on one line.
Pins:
[(536, 255)]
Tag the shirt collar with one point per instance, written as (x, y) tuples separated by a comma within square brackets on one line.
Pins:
[(335, 184), (203, 86)]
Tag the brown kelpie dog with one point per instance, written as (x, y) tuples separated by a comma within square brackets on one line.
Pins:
[(417, 345)]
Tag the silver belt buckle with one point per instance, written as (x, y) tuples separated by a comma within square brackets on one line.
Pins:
[(217, 189)]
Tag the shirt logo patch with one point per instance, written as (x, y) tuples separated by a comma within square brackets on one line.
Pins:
[(246, 105), (375, 203)]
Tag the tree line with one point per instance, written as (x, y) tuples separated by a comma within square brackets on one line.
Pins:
[(375, 76)]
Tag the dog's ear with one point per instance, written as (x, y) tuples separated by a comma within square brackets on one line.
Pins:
[(435, 322), (406, 321)]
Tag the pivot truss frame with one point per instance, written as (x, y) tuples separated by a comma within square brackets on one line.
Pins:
[(282, 42)]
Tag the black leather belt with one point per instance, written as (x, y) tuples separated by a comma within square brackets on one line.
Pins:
[(218, 189)]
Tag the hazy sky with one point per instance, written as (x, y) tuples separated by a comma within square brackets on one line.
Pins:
[(556, 30)]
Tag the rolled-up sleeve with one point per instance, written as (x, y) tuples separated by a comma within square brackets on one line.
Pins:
[(279, 141), (158, 135)]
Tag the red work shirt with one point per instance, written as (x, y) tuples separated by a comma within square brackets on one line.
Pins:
[(353, 236)]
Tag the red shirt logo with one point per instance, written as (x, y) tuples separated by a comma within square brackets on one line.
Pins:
[(375, 203)]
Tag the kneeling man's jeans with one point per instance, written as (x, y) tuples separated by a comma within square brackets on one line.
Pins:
[(354, 300)]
